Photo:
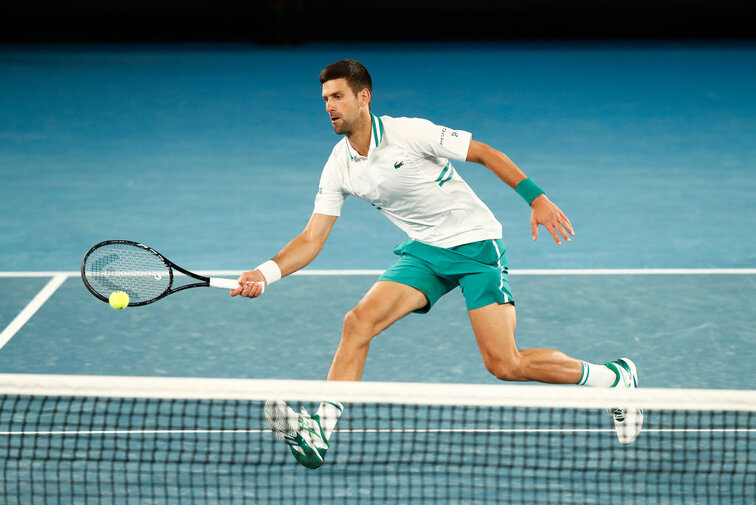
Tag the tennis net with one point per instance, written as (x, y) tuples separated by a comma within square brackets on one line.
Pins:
[(131, 440)]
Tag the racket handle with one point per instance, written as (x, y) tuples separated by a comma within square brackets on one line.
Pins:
[(219, 282)]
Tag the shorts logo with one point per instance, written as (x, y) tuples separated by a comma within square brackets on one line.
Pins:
[(398, 164)]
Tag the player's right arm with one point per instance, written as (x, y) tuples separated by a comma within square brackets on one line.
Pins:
[(296, 255)]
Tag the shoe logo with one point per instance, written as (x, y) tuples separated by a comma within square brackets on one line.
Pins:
[(305, 427), (619, 415), (398, 164)]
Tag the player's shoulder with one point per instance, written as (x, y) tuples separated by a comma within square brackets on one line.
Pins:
[(407, 127), (337, 160), (405, 123), (339, 153)]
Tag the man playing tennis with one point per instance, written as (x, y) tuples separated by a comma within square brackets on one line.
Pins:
[(401, 166)]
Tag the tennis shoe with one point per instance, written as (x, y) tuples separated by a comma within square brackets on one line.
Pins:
[(627, 421), (300, 431)]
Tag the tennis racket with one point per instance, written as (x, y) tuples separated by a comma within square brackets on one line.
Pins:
[(142, 272)]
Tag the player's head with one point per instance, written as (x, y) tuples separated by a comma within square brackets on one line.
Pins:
[(347, 90), (356, 75)]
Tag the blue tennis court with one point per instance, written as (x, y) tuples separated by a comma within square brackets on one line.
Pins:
[(211, 154)]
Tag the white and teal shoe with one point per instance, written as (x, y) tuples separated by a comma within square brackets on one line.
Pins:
[(300, 431), (627, 421)]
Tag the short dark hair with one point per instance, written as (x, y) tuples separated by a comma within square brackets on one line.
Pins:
[(355, 73)]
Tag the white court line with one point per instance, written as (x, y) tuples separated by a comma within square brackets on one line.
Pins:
[(558, 271), (59, 277), (375, 430), (637, 271), (31, 308), (37, 274), (535, 271)]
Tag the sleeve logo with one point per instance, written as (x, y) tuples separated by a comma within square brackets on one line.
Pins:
[(443, 135)]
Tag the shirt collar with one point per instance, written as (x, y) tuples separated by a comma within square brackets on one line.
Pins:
[(376, 138)]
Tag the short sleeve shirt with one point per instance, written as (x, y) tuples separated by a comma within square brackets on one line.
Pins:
[(408, 176)]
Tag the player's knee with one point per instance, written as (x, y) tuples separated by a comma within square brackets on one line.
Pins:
[(358, 327), (506, 369)]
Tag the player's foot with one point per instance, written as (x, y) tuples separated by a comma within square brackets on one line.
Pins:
[(627, 421), (300, 431)]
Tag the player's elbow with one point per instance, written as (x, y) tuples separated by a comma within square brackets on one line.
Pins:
[(315, 249), (310, 247), (480, 153)]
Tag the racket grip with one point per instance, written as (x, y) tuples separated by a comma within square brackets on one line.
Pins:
[(219, 282)]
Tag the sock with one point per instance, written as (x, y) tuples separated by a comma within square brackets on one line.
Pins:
[(597, 375), (329, 413)]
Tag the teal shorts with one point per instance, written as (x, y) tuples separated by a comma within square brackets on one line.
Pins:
[(479, 268)]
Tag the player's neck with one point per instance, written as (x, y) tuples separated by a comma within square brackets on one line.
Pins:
[(359, 138)]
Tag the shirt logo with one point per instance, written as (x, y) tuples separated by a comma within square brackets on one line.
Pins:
[(398, 164)]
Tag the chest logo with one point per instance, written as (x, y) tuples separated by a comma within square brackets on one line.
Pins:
[(398, 164)]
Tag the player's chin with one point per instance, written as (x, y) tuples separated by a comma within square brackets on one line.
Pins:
[(339, 128)]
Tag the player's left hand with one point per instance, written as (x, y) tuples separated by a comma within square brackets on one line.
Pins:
[(545, 213)]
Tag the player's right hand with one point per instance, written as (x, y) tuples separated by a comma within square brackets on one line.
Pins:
[(249, 284)]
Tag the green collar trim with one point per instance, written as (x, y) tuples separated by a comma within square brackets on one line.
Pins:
[(377, 126), (377, 130)]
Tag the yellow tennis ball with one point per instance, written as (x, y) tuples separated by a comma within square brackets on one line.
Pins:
[(119, 300)]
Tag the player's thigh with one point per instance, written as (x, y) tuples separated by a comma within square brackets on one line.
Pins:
[(385, 303), (494, 327)]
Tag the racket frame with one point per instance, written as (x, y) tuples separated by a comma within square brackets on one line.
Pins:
[(203, 281)]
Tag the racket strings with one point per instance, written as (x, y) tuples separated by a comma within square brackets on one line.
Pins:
[(122, 267)]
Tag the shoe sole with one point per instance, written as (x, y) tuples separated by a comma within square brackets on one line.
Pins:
[(632, 369), (279, 420), (632, 419), (284, 425)]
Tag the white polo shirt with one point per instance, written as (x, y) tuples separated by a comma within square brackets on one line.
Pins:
[(407, 175)]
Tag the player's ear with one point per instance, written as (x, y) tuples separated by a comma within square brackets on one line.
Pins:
[(365, 96)]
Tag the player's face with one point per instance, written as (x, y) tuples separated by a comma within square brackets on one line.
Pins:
[(342, 105)]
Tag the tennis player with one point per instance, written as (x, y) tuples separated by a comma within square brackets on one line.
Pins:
[(402, 167)]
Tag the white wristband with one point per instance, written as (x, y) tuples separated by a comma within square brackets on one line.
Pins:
[(270, 271)]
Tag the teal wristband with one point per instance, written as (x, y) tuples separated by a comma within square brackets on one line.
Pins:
[(528, 190)]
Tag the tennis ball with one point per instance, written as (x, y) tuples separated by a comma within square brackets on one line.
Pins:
[(119, 300)]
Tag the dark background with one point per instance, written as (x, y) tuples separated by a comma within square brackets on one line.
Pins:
[(297, 21)]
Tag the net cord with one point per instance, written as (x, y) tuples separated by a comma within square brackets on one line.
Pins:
[(507, 395)]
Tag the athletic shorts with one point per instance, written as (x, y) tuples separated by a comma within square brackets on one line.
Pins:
[(479, 268)]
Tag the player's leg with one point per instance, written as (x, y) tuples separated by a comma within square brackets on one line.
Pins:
[(384, 304), (490, 305), (308, 435), (494, 327), (492, 314)]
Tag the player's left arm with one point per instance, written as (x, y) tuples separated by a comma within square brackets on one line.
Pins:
[(543, 211)]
